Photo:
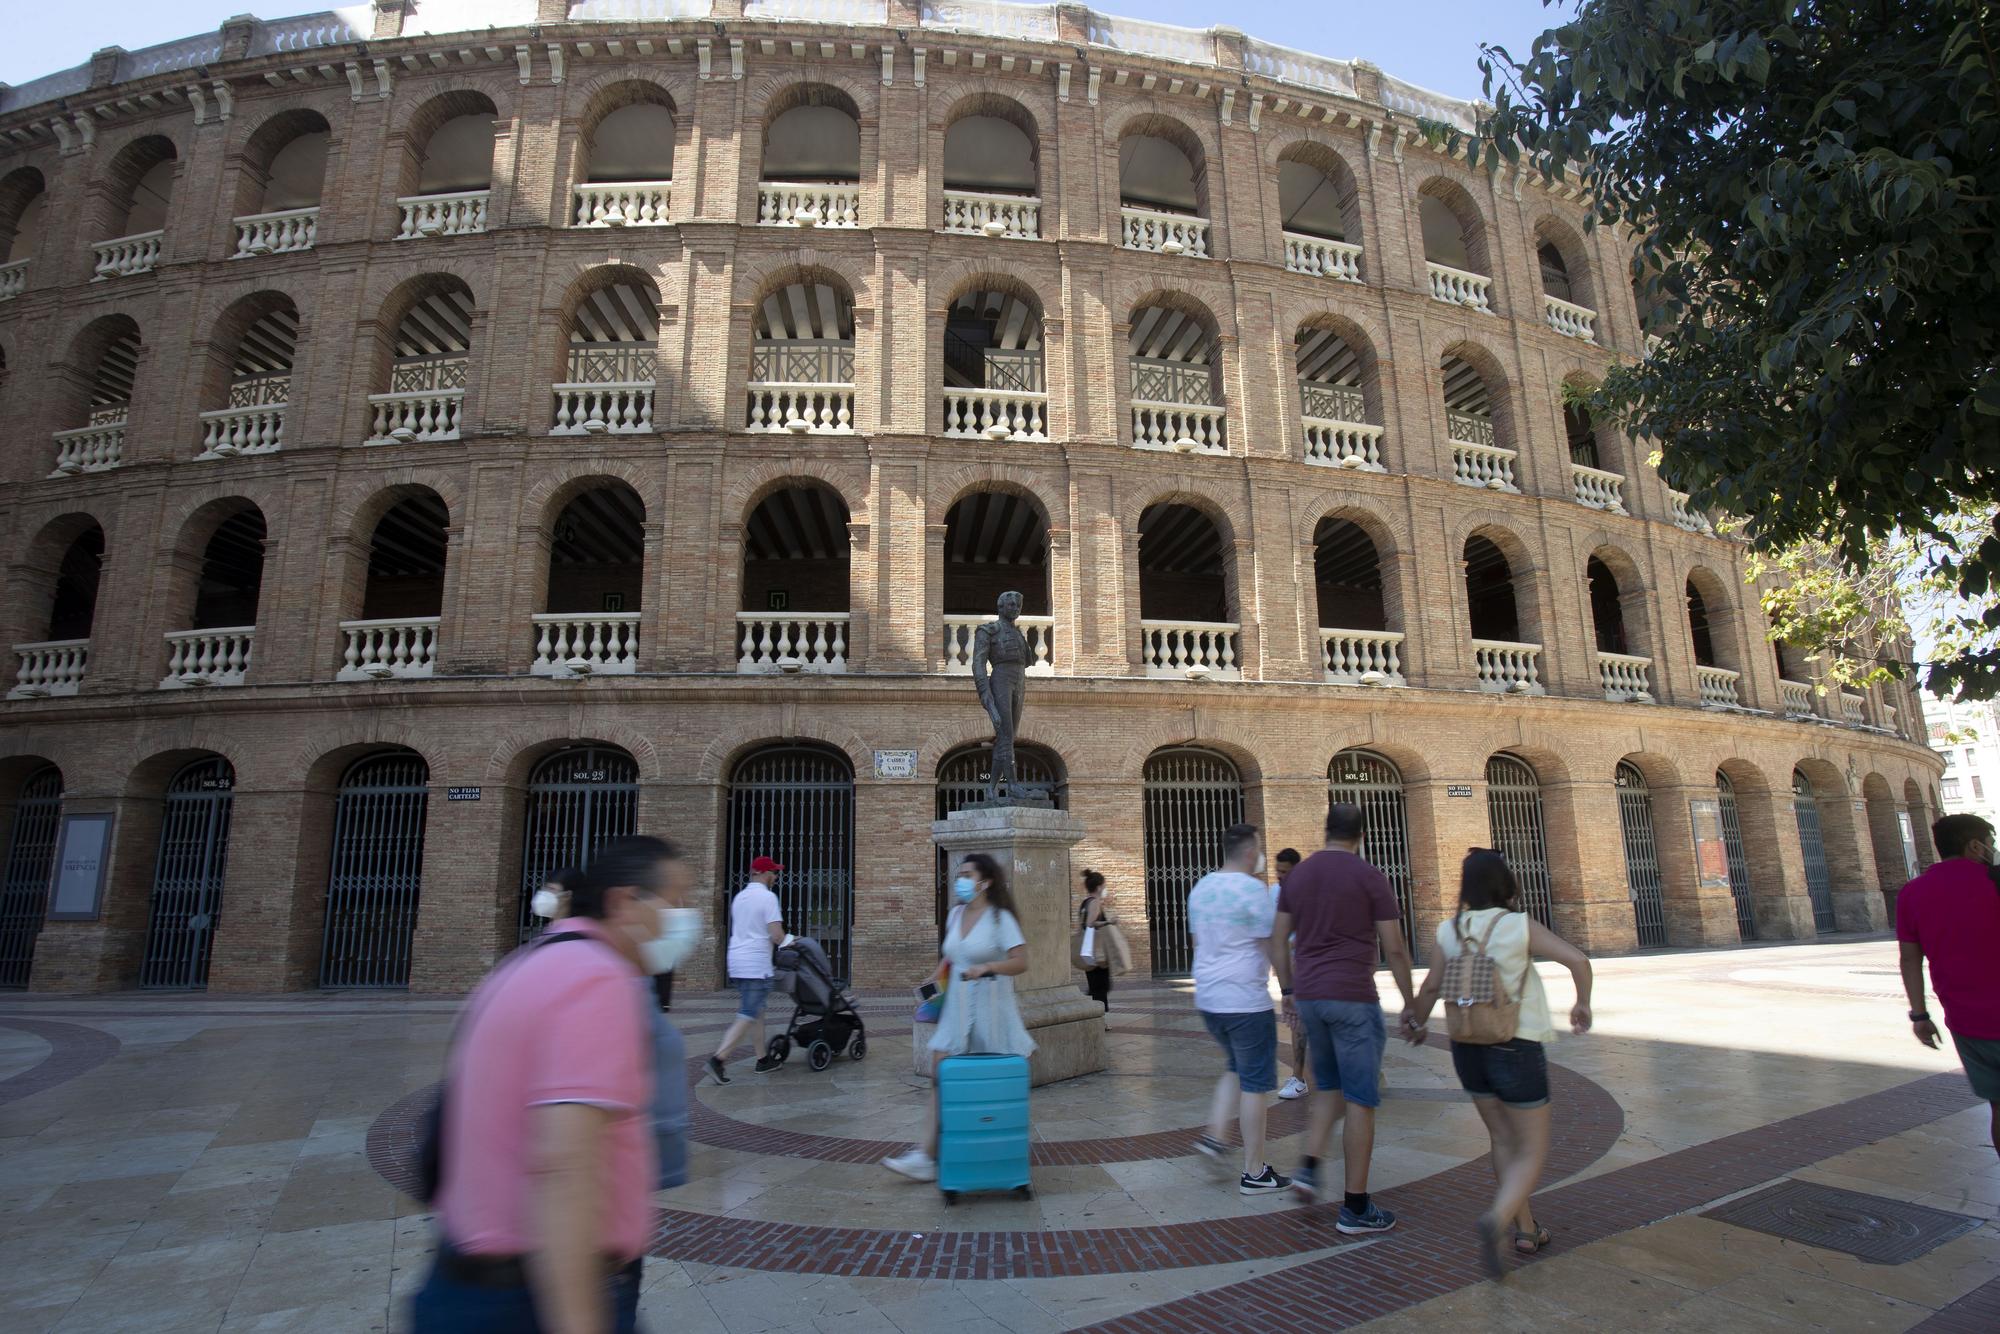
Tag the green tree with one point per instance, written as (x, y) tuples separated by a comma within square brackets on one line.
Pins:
[(1813, 191)]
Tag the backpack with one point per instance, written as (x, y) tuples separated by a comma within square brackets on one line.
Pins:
[(1477, 1008)]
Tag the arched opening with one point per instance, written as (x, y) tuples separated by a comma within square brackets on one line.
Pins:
[(962, 776), (1893, 867), (802, 357), (996, 542), (55, 662), (1357, 646), (375, 870), (1514, 818), (1713, 634), (23, 199), (1318, 201), (1192, 796), (403, 596), (611, 356), (1504, 657), (1374, 783), (811, 173), (422, 364), (1163, 188), (215, 648), (626, 174), (1812, 846), (1337, 381), (1555, 272), (1623, 674), (279, 185), (1643, 880), (1187, 625), (102, 366), (994, 387), (1482, 453), (1736, 858), (247, 382), (597, 566), (992, 169), (794, 802), (138, 192), (579, 799), (1594, 479), (447, 167), (796, 563), (188, 872), (35, 818), (1174, 355), (1454, 237)]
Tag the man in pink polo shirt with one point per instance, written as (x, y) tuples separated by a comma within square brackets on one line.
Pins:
[(1950, 915), (544, 1198)]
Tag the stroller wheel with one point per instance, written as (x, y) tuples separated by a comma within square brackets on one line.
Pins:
[(779, 1048), (859, 1048), (819, 1056)]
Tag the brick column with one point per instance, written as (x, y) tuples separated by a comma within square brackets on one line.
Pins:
[(1592, 901), (1779, 903), (1112, 808), (1696, 914), (467, 910), (1442, 826), (893, 932), (105, 954), (267, 935)]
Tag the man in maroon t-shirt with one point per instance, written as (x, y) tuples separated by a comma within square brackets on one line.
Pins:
[(1950, 915), (1338, 912)]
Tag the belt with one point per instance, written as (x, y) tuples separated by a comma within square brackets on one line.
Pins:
[(506, 1271)]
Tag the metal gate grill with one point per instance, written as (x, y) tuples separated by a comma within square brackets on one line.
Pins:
[(24, 886), (1514, 815), (1192, 796), (187, 876), (1739, 861), (961, 780), (1642, 856), (376, 871), (578, 800), (796, 804), (1375, 785), (1819, 885)]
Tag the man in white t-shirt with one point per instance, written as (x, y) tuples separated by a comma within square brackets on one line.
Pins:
[(756, 928), (1230, 914)]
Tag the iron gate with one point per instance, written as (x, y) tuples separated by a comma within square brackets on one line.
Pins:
[(1514, 815), (376, 871), (1373, 783), (796, 804), (578, 800), (1642, 856), (961, 781), (1739, 861), (187, 876), (1192, 796), (24, 886), (1819, 885)]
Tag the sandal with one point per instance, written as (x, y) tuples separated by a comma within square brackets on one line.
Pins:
[(1529, 1243)]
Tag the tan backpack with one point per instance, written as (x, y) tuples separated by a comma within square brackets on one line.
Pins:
[(1477, 1008)]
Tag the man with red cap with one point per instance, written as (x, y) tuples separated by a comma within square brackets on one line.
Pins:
[(756, 929)]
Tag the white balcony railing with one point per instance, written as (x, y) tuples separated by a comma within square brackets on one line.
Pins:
[(1688, 517), (1322, 258), (623, 204), (1163, 233), (1339, 444), (400, 419), (1506, 668), (1596, 489), (1853, 709), (1569, 319), (208, 657), (377, 650), (92, 448), (457, 214), (1018, 216), (276, 233), (1482, 465), (1361, 657), (1468, 428), (1188, 650), (127, 255), (597, 409), (13, 279), (1625, 678), (1458, 288), (811, 641), (585, 643), (995, 414), (1797, 698), (227, 432), (1183, 427), (1718, 687), (802, 361), (802, 409), (790, 204), (959, 630), (1332, 402), (52, 667)]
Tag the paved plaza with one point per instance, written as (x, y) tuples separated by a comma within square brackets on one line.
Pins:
[(201, 1162)]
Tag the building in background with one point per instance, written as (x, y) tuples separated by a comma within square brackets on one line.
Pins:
[(1967, 737)]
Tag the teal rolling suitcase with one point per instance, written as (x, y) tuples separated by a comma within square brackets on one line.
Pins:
[(982, 1125)]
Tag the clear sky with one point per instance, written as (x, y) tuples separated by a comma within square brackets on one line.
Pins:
[(1434, 43)]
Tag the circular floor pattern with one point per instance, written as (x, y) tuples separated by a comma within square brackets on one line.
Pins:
[(73, 1050)]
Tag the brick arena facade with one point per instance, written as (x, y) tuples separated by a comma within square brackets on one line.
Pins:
[(430, 452)]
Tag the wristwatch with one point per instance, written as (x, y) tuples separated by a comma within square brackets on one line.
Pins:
[(1919, 1016)]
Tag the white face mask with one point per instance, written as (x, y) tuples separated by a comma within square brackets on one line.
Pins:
[(680, 928), (546, 903)]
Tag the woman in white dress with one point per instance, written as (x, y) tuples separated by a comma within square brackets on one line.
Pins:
[(986, 951)]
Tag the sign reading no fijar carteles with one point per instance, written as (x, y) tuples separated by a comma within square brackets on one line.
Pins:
[(1458, 790), (461, 794)]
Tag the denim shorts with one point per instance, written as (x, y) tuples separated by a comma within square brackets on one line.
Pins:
[(1250, 1041), (1982, 1065), (1516, 1072), (751, 993), (1345, 1040)]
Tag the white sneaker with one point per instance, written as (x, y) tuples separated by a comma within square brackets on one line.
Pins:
[(1294, 1088), (914, 1164)]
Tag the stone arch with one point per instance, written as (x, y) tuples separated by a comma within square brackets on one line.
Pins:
[(252, 342), (190, 578), (1633, 599), (1492, 395), (515, 753), (945, 738), (583, 559), (1316, 360), (99, 369), (581, 317), (802, 108), (1142, 121), (1457, 203), (724, 752), (1848, 853), (428, 316), (1723, 623), (22, 194), (755, 283), (1885, 835), (552, 491), (1592, 443), (285, 144), (1525, 573), (145, 158), (1180, 592), (981, 141), (1553, 233), (751, 488), (997, 479), (1308, 215), (1321, 516), (627, 92), (426, 165), (46, 582)]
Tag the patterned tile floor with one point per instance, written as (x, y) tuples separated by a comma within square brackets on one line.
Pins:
[(218, 1163)]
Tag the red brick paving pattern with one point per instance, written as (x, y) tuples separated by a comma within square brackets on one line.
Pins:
[(1977, 1312)]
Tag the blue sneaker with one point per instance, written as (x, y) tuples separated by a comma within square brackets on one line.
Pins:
[(1303, 1184), (1377, 1219)]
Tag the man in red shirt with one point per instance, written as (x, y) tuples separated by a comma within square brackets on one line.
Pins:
[(1950, 915)]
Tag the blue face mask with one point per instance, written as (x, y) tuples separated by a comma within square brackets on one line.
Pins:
[(964, 888)]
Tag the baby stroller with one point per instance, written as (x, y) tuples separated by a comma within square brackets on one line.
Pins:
[(824, 1021)]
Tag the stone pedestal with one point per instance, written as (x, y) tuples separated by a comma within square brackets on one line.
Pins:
[(1033, 844)]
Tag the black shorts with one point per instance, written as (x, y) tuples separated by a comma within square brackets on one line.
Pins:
[(1515, 1072)]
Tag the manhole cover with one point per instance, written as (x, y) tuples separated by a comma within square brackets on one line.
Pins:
[(1867, 1227)]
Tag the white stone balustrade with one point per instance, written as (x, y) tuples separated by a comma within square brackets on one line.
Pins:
[(585, 643), (1482, 465), (92, 448), (1338, 444), (1458, 288), (1507, 668), (790, 204), (1718, 686), (597, 409), (1688, 517), (1321, 258), (227, 432), (1569, 319), (1185, 650), (1040, 632), (1186, 428), (1797, 698), (13, 279), (802, 409), (1626, 678), (995, 414), (1163, 233), (127, 255), (426, 414), (276, 233), (458, 214), (1019, 216), (51, 667), (1594, 488), (1361, 657), (623, 204), (403, 647), (810, 641), (1853, 709), (208, 657)]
